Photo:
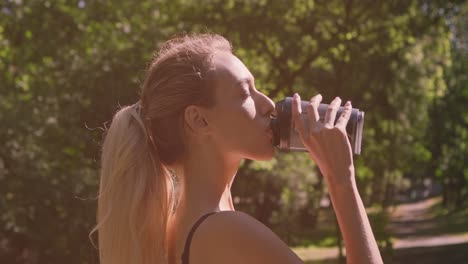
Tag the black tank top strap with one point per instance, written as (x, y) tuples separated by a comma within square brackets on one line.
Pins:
[(186, 253)]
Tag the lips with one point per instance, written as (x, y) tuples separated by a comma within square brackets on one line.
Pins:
[(270, 133)]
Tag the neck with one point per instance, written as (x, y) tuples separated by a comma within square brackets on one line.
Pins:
[(205, 182)]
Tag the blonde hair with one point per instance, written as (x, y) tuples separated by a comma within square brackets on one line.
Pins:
[(136, 189)]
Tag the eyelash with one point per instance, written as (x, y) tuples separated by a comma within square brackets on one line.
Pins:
[(246, 93)]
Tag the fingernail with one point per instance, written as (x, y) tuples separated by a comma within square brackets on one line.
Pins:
[(295, 95), (348, 102)]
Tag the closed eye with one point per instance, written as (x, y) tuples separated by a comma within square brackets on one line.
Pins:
[(245, 92)]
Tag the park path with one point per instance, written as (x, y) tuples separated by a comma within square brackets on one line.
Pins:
[(423, 237), (419, 237), (412, 224)]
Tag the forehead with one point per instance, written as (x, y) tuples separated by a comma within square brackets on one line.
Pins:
[(229, 70)]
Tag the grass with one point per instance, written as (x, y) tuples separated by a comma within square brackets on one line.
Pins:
[(449, 221)]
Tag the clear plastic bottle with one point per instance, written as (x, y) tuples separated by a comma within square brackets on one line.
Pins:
[(286, 138)]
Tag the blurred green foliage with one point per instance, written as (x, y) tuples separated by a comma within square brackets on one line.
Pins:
[(66, 66), (448, 132)]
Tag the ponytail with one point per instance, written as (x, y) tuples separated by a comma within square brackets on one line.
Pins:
[(135, 195), (136, 190)]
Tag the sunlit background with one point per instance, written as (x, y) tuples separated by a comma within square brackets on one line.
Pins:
[(67, 66)]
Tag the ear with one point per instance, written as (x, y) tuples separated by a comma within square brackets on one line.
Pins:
[(196, 120)]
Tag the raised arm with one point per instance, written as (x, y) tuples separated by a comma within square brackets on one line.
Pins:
[(329, 147)]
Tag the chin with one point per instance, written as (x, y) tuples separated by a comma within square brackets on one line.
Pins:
[(265, 154)]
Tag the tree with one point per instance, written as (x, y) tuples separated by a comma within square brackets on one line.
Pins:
[(449, 123), (65, 67)]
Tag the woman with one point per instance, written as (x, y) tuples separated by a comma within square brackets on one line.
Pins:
[(198, 116)]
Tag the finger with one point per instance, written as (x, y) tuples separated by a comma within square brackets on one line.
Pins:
[(345, 115), (330, 115), (312, 112), (296, 113)]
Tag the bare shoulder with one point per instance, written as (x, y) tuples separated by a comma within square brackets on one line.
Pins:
[(236, 237)]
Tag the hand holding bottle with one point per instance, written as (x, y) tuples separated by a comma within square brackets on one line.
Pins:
[(327, 140), (329, 147)]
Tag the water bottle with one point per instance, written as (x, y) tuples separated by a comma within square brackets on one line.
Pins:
[(286, 138)]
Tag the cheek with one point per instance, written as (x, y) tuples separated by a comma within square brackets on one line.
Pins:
[(235, 125), (248, 109), (238, 132), (242, 120)]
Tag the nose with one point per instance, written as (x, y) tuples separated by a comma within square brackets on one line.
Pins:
[(267, 106)]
